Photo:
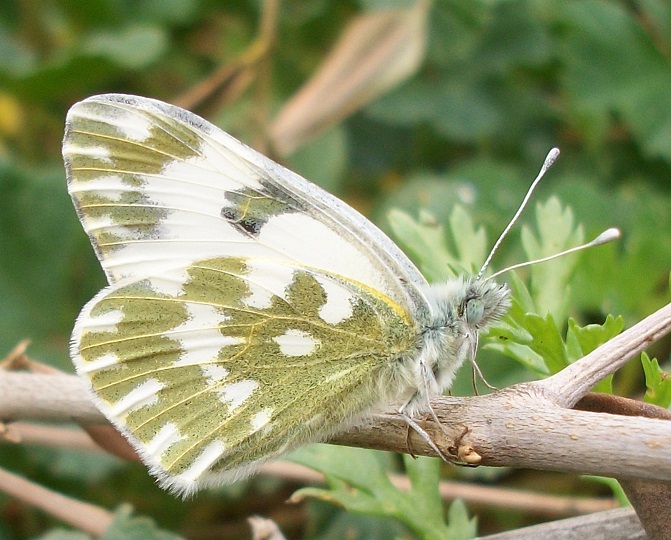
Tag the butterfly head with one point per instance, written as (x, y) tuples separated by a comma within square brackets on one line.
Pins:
[(470, 303), (485, 301)]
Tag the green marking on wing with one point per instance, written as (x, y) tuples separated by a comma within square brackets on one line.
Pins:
[(132, 210), (96, 125), (283, 363), (249, 209), (102, 156)]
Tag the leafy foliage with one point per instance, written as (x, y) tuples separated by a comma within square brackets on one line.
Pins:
[(440, 162), (357, 480), (125, 525), (658, 382)]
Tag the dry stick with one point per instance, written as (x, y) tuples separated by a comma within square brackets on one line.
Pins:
[(230, 80), (515, 427), (521, 426), (264, 529), (25, 396), (525, 501), (53, 436), (572, 383), (619, 524), (651, 498), (87, 517)]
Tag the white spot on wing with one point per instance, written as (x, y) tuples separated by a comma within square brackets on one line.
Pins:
[(200, 337), (313, 243), (265, 281), (133, 126), (170, 283), (210, 454), (339, 375), (105, 361), (296, 343), (97, 152), (105, 322), (235, 394), (338, 306), (145, 393), (109, 185), (261, 419), (167, 436), (212, 170), (214, 373)]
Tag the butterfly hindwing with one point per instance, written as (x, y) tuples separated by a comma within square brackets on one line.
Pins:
[(214, 369)]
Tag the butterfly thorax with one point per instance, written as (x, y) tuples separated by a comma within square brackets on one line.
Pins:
[(458, 311)]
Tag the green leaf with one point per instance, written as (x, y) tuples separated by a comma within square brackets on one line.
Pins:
[(460, 525), (511, 338), (583, 340), (624, 73), (135, 528), (426, 242), (357, 480), (613, 484), (535, 341), (133, 47), (470, 243), (547, 341), (657, 382), (550, 281), (530, 333)]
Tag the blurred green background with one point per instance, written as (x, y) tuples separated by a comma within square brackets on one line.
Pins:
[(498, 84)]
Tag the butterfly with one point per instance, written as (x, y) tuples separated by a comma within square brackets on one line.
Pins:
[(248, 311)]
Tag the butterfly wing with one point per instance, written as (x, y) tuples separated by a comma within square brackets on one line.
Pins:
[(212, 369), (248, 310), (157, 187)]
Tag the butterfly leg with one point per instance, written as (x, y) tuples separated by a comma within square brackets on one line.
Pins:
[(408, 441), (422, 396), (477, 374), (423, 434), (429, 381)]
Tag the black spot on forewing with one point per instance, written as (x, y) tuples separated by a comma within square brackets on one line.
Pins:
[(250, 226), (250, 209)]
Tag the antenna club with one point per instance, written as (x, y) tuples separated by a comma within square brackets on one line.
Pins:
[(552, 156), (607, 236)]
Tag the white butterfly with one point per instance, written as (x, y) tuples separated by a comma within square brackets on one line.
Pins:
[(248, 311)]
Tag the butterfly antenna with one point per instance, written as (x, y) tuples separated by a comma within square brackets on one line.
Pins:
[(606, 236), (549, 161)]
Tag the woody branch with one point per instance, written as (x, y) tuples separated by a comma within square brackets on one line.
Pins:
[(529, 425)]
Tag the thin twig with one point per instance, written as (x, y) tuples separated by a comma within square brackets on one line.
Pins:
[(87, 517)]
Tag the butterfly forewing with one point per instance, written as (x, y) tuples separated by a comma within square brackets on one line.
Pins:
[(156, 187), (214, 368)]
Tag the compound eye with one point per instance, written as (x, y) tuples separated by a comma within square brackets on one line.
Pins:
[(475, 309)]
